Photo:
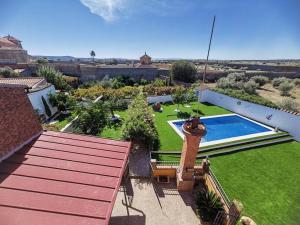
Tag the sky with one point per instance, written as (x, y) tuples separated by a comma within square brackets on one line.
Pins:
[(254, 29)]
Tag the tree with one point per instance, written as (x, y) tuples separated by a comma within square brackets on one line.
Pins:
[(139, 125), (250, 87), (184, 71), (260, 80), (93, 54), (91, 119), (54, 77), (179, 97), (62, 101), (277, 81), (46, 106), (285, 88)]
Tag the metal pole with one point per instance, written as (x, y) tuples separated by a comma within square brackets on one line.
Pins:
[(206, 62)]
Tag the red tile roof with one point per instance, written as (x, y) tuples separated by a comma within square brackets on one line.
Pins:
[(62, 178), (18, 122), (29, 82)]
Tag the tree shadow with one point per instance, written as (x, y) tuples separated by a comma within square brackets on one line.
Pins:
[(198, 111), (183, 115)]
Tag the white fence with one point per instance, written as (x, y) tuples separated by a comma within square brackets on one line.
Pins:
[(272, 117), (161, 98)]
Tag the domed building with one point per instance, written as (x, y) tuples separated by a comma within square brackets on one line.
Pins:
[(11, 51)]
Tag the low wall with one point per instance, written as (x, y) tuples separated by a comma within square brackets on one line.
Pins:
[(162, 98), (269, 116), (36, 99)]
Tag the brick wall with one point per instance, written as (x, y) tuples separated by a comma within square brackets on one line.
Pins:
[(18, 122)]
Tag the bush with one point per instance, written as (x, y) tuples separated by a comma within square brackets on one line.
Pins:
[(260, 80), (62, 101), (184, 71), (91, 119), (250, 87), (289, 104), (285, 88), (277, 81), (297, 82), (139, 126), (242, 95), (179, 96), (159, 83), (54, 77), (8, 72), (208, 204), (46, 106)]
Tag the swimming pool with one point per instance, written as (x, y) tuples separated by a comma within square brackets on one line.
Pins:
[(226, 128)]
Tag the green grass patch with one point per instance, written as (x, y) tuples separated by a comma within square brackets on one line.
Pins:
[(64, 119), (265, 180)]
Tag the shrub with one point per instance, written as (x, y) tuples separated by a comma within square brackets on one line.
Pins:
[(289, 104), (179, 96), (208, 204), (184, 71), (46, 106), (250, 87), (260, 80), (297, 82), (91, 119), (159, 83), (8, 72), (62, 101), (139, 126), (277, 81), (233, 80), (53, 76), (242, 95), (285, 88)]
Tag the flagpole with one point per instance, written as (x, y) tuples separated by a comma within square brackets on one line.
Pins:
[(206, 62)]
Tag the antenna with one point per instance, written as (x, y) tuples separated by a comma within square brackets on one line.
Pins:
[(206, 62)]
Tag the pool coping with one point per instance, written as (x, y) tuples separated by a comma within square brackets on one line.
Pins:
[(225, 140)]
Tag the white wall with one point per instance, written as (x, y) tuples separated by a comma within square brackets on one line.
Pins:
[(162, 98), (283, 120), (36, 99)]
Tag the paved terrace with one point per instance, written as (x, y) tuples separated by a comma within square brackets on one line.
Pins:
[(146, 202)]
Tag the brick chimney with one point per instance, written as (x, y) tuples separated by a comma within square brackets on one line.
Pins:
[(19, 124), (193, 132)]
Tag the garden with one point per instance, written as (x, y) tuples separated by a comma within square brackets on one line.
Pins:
[(263, 179)]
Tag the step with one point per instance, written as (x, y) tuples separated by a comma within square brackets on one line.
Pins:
[(244, 147)]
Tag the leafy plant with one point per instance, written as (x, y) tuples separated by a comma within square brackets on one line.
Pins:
[(250, 87), (184, 71), (289, 104), (91, 119), (260, 80), (179, 96), (62, 101), (277, 81), (54, 77), (208, 204), (139, 125), (8, 72), (285, 88), (47, 108)]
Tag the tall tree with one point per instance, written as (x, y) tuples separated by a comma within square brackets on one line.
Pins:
[(93, 54)]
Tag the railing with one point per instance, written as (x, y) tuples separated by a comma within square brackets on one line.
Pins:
[(219, 187), (168, 163)]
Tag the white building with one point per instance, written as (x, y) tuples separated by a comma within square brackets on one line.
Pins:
[(37, 88)]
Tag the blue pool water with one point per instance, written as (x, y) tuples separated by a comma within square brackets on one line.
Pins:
[(223, 127)]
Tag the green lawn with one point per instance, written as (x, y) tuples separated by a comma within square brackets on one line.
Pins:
[(63, 120), (266, 180)]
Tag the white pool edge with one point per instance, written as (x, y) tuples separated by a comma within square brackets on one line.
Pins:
[(225, 140)]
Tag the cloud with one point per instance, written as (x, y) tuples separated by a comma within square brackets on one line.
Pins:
[(107, 9)]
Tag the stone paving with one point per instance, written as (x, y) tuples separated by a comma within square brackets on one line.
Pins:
[(145, 202)]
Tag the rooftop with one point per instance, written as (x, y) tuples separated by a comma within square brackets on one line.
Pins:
[(29, 82), (50, 177)]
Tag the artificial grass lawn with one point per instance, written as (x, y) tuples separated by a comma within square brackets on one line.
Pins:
[(265, 180), (169, 139)]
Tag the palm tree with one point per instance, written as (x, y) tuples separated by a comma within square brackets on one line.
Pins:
[(93, 54)]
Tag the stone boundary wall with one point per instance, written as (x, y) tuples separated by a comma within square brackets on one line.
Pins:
[(89, 72), (13, 56), (266, 115), (162, 98)]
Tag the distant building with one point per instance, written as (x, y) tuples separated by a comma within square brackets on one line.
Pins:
[(145, 59), (11, 51), (36, 88)]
